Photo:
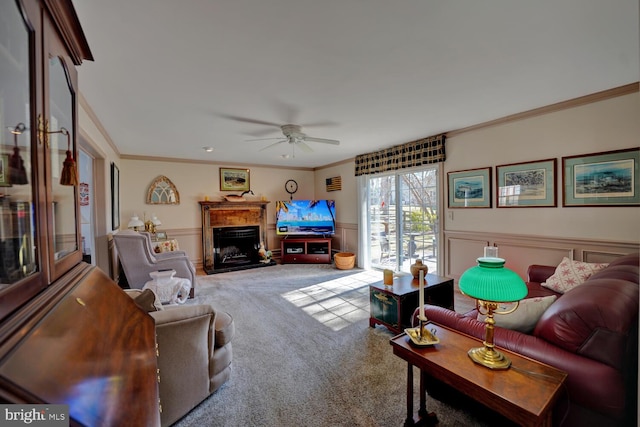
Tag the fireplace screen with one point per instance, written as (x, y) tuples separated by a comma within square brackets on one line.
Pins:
[(235, 246)]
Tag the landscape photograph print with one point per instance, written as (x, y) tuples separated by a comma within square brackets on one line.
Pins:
[(529, 184), (602, 179), (470, 188)]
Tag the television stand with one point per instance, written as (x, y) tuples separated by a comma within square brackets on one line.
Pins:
[(311, 250)]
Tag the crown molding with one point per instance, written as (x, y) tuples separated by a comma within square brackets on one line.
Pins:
[(559, 106)]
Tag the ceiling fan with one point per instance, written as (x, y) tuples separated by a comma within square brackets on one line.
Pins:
[(293, 135)]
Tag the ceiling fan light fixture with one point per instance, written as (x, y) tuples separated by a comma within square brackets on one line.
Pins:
[(208, 149), (293, 135)]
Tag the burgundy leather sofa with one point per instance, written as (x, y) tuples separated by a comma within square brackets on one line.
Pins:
[(590, 332)]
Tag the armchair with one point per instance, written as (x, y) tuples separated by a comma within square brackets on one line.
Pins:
[(189, 377), (138, 259)]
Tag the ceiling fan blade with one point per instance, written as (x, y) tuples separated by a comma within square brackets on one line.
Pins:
[(272, 145), (323, 140), (262, 139), (304, 147), (249, 120), (326, 123)]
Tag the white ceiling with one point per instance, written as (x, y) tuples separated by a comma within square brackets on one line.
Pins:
[(171, 77)]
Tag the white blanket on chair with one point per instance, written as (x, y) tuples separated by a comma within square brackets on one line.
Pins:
[(173, 291)]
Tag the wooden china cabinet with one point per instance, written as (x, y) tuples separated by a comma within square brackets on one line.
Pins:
[(68, 334)]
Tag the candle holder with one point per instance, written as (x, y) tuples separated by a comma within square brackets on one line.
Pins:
[(420, 335), (422, 321)]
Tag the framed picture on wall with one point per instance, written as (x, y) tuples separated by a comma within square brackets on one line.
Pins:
[(610, 178), (234, 179), (526, 185), (470, 188), (115, 197)]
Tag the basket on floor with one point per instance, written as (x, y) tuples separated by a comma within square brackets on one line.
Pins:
[(344, 260)]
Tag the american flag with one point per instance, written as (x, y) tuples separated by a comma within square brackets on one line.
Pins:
[(334, 184)]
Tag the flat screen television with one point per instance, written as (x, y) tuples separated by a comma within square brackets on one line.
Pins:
[(306, 217)]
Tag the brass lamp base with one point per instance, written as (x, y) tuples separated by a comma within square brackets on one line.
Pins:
[(489, 357)]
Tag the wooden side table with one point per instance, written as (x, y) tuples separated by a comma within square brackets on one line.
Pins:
[(524, 393), (393, 306)]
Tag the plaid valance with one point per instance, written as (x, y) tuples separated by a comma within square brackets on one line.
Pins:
[(421, 152)]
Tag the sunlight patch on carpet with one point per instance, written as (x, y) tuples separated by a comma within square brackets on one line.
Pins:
[(336, 303)]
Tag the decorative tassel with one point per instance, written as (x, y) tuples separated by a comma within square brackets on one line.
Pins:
[(69, 175), (17, 171)]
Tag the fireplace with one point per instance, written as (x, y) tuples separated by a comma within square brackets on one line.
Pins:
[(235, 246), (231, 235)]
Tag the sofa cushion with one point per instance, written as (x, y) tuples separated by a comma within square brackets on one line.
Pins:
[(623, 272), (146, 299), (536, 290), (525, 317), (630, 259), (570, 274), (593, 320)]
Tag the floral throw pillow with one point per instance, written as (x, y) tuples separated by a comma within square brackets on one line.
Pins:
[(570, 274)]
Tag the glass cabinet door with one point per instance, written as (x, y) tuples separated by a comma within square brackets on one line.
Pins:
[(18, 259), (61, 137)]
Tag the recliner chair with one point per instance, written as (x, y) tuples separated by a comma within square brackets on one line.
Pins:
[(138, 259), (189, 377)]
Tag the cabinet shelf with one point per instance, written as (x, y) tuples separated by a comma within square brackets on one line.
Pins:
[(306, 250)]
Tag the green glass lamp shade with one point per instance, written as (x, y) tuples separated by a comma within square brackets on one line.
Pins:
[(491, 281)]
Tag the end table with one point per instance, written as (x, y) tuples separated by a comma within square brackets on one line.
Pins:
[(393, 306)]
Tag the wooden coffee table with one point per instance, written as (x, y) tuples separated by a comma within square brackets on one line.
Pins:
[(525, 393), (393, 306)]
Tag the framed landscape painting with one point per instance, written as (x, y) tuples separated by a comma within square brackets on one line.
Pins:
[(470, 188), (234, 179), (525, 185), (602, 179)]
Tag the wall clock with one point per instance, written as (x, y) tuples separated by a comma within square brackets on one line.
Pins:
[(291, 186)]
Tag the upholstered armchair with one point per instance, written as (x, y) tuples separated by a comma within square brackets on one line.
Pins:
[(194, 352), (138, 259)]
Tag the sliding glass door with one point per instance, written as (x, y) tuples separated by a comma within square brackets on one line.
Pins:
[(402, 219)]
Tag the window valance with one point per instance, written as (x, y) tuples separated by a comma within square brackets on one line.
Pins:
[(421, 152)]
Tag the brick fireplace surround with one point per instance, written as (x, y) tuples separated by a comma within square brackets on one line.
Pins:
[(229, 214)]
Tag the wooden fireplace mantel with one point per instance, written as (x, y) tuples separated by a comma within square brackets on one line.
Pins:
[(229, 214)]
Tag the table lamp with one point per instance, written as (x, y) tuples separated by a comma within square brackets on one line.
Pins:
[(135, 222), (490, 283), (152, 224)]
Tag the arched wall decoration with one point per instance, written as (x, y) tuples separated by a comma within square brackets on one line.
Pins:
[(163, 192)]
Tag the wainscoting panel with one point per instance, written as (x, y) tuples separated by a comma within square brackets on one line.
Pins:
[(461, 254), (346, 238), (519, 253), (462, 249), (600, 255), (190, 241)]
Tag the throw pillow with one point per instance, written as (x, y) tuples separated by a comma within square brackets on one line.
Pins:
[(146, 300), (525, 317), (570, 274)]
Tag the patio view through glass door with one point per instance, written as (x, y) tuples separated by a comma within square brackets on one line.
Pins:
[(403, 219)]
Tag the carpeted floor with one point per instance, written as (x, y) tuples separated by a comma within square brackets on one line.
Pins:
[(304, 354)]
